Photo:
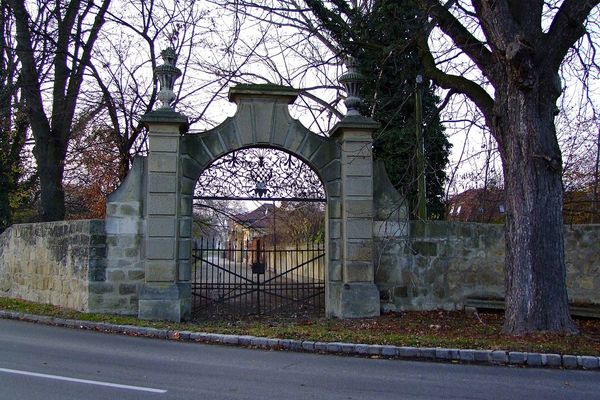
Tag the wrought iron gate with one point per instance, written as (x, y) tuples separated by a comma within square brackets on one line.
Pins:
[(254, 278)]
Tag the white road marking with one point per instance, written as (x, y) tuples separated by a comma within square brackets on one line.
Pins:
[(86, 381)]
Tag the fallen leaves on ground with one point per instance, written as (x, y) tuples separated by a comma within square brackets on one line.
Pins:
[(450, 329)]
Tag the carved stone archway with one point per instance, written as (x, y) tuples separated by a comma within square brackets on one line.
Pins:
[(343, 162)]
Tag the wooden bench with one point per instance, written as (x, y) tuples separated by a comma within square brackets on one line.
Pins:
[(476, 303)]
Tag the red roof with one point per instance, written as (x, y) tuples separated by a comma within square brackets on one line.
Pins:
[(477, 205), (259, 218)]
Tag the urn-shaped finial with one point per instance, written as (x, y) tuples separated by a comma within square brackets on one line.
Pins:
[(167, 73), (352, 81)]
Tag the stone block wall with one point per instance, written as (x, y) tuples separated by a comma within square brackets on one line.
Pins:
[(582, 245), (89, 265), (52, 262), (116, 290), (439, 264)]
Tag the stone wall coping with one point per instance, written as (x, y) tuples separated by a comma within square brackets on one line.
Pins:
[(353, 122), (437, 354), (166, 117), (489, 224), (61, 222), (250, 91)]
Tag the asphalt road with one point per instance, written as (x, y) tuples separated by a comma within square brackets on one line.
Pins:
[(42, 362)]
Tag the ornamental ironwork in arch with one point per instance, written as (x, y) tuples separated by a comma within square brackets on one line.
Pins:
[(260, 173)]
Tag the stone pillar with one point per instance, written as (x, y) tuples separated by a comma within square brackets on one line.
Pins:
[(166, 292), (356, 295)]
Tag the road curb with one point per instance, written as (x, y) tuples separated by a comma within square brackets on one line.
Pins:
[(466, 356)]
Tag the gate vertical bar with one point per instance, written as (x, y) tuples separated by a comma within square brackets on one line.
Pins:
[(207, 282), (258, 260), (201, 267), (305, 270), (279, 282), (246, 255), (195, 277), (236, 306), (199, 272)]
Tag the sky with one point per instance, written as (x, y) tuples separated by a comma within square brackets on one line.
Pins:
[(472, 146), (219, 48)]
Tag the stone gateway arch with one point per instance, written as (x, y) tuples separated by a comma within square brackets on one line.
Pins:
[(343, 161)]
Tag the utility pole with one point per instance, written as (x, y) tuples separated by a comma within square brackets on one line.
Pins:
[(594, 208), (421, 198), (274, 252)]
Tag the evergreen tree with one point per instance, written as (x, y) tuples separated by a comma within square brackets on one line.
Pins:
[(381, 40)]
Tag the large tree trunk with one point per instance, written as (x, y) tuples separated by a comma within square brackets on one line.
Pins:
[(50, 160), (536, 295), (521, 61)]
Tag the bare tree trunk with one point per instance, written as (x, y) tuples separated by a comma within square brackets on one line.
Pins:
[(535, 272), (50, 170)]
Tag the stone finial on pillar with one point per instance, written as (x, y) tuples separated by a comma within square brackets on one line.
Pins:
[(352, 81), (165, 114), (167, 74)]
